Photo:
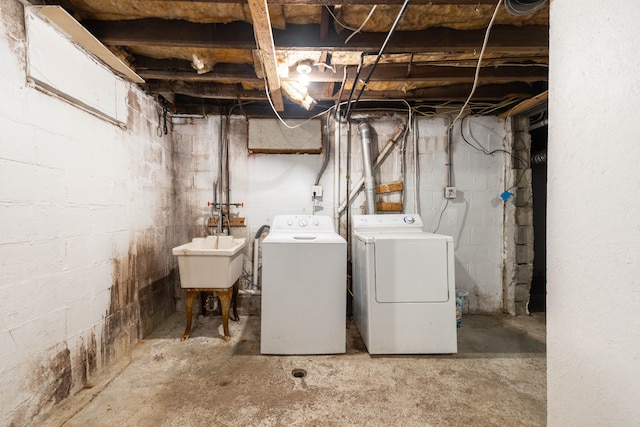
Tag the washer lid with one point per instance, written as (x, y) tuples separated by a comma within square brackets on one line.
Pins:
[(300, 237), (370, 236), (413, 269)]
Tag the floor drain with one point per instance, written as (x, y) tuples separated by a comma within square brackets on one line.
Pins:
[(299, 373)]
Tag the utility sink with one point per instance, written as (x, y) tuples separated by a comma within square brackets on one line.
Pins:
[(210, 262)]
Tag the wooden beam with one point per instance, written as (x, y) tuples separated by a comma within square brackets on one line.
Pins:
[(207, 90), (79, 35), (529, 104), (235, 221), (344, 2), (388, 207), (233, 73), (238, 35), (491, 92), (264, 37), (389, 188)]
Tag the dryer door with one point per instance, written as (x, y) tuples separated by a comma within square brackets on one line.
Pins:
[(411, 268)]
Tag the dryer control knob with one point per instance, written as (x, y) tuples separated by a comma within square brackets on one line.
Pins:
[(289, 222), (316, 222), (409, 219), (302, 223)]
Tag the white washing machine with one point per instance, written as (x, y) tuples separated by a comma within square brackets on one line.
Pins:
[(403, 285), (304, 270)]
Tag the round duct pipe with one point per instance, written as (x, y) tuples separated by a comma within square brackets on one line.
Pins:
[(523, 7)]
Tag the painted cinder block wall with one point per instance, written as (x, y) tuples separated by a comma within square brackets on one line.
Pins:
[(593, 215), (86, 227), (86, 265), (272, 184)]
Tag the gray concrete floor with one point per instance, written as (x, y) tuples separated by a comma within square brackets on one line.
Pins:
[(498, 378)]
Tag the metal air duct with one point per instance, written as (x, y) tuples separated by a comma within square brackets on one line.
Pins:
[(523, 7), (369, 184)]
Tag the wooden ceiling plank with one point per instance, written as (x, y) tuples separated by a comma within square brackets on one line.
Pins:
[(264, 37)]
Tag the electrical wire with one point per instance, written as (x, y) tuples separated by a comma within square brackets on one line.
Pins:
[(382, 48), (363, 24), (483, 150), (440, 216), (477, 75), (338, 21)]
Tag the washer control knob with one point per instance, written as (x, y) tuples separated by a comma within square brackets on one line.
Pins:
[(302, 223), (409, 219), (289, 222), (316, 222)]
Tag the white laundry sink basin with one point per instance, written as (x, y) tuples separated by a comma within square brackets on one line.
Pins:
[(210, 262)]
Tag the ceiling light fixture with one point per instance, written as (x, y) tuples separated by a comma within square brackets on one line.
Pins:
[(304, 66), (523, 7)]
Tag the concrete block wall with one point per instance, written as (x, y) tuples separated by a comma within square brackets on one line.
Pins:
[(267, 184), (524, 251), (475, 218), (86, 227), (271, 184)]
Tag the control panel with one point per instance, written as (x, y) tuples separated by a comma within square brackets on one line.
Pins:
[(387, 221), (302, 223)]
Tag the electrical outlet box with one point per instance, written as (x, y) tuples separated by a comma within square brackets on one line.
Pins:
[(316, 191), (450, 192)]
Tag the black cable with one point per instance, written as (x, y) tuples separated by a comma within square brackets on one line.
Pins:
[(375, 63), (498, 150), (164, 118)]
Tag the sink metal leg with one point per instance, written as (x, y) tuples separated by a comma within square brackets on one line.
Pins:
[(225, 302), (228, 297), (189, 297)]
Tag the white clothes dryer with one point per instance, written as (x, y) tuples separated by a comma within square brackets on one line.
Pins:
[(304, 271), (403, 286)]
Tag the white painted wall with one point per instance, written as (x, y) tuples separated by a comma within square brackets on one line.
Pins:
[(267, 184), (272, 184), (78, 197), (593, 226)]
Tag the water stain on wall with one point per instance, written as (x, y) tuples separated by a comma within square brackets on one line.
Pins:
[(86, 361), (142, 296), (12, 17), (50, 381)]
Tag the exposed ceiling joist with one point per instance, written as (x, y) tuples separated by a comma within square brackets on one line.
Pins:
[(231, 73), (343, 3), (453, 92), (239, 35), (262, 30), (208, 55)]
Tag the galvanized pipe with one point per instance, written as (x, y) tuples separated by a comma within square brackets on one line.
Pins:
[(369, 183)]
